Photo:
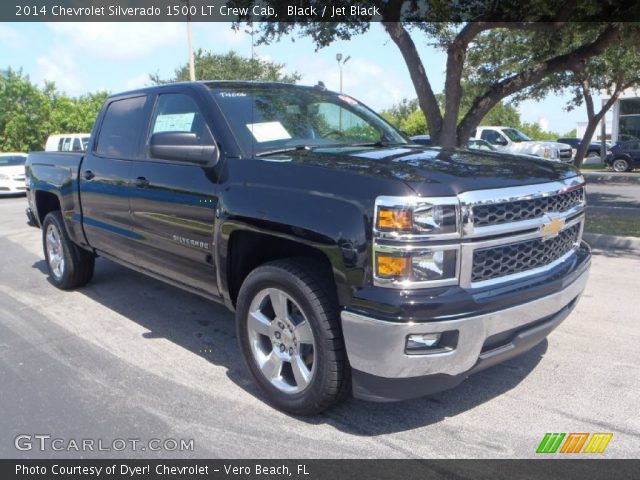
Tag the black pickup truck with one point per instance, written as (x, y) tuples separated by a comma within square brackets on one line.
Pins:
[(355, 261)]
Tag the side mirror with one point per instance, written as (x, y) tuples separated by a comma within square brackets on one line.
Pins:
[(181, 146), (500, 141)]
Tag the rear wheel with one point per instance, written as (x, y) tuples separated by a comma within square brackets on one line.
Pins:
[(620, 165), (290, 337), (69, 266)]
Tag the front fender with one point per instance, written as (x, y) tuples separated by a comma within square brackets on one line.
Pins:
[(329, 224)]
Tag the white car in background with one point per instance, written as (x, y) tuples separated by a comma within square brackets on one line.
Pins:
[(12, 178), (67, 142), (511, 140)]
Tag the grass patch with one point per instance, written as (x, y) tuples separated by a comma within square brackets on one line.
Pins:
[(596, 167), (608, 224)]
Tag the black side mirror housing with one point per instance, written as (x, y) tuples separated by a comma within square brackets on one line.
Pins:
[(183, 147)]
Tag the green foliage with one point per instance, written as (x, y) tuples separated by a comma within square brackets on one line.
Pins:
[(230, 66), (24, 113), (76, 114), (522, 56), (570, 134), (29, 114), (533, 131), (408, 117)]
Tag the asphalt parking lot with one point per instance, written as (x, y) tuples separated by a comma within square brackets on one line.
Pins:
[(130, 357), (615, 198)]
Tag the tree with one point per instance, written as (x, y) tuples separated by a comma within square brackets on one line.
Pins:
[(613, 72), (542, 48), (533, 131), (616, 68), (75, 114), (230, 66), (408, 117), (29, 114), (24, 112)]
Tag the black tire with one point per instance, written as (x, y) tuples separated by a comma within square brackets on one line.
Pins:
[(76, 266), (314, 295), (620, 165)]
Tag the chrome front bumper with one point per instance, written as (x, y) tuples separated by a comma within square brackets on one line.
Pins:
[(377, 347)]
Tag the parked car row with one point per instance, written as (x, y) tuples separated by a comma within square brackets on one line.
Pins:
[(621, 157), (472, 144)]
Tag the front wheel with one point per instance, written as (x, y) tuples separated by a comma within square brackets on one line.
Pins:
[(290, 337), (620, 165), (69, 266)]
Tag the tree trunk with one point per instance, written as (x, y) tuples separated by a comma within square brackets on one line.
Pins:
[(426, 98), (584, 144), (593, 121)]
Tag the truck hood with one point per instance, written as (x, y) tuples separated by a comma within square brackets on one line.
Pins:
[(432, 171), (549, 144)]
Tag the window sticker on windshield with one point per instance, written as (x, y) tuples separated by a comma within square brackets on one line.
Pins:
[(268, 131), (349, 100), (174, 122)]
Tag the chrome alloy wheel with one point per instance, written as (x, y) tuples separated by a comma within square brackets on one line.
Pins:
[(55, 252), (281, 340), (620, 165)]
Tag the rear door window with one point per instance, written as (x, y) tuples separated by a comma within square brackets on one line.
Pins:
[(121, 128)]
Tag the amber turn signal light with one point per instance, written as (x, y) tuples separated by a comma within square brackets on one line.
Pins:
[(394, 219), (393, 267)]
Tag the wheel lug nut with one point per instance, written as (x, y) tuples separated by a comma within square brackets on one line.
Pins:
[(278, 335), (290, 350), (281, 325), (282, 347)]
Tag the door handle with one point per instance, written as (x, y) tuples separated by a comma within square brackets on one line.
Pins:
[(89, 175), (142, 182)]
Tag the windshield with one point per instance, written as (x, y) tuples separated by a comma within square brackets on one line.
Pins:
[(12, 160), (515, 135), (480, 145), (280, 117)]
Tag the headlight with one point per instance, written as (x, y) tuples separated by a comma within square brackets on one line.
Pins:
[(397, 216), (434, 265), (405, 231), (437, 266)]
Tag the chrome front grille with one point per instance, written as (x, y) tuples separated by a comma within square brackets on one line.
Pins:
[(499, 261), (499, 213), (567, 153), (503, 234)]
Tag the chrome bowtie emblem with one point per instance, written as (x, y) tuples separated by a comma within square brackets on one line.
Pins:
[(551, 227)]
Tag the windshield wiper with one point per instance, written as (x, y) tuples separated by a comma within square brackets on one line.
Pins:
[(283, 150)]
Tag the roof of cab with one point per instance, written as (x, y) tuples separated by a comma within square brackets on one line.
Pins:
[(221, 84)]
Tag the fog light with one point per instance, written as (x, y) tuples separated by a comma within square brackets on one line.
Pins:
[(428, 341)]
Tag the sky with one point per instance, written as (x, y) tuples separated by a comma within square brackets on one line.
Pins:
[(84, 57)]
